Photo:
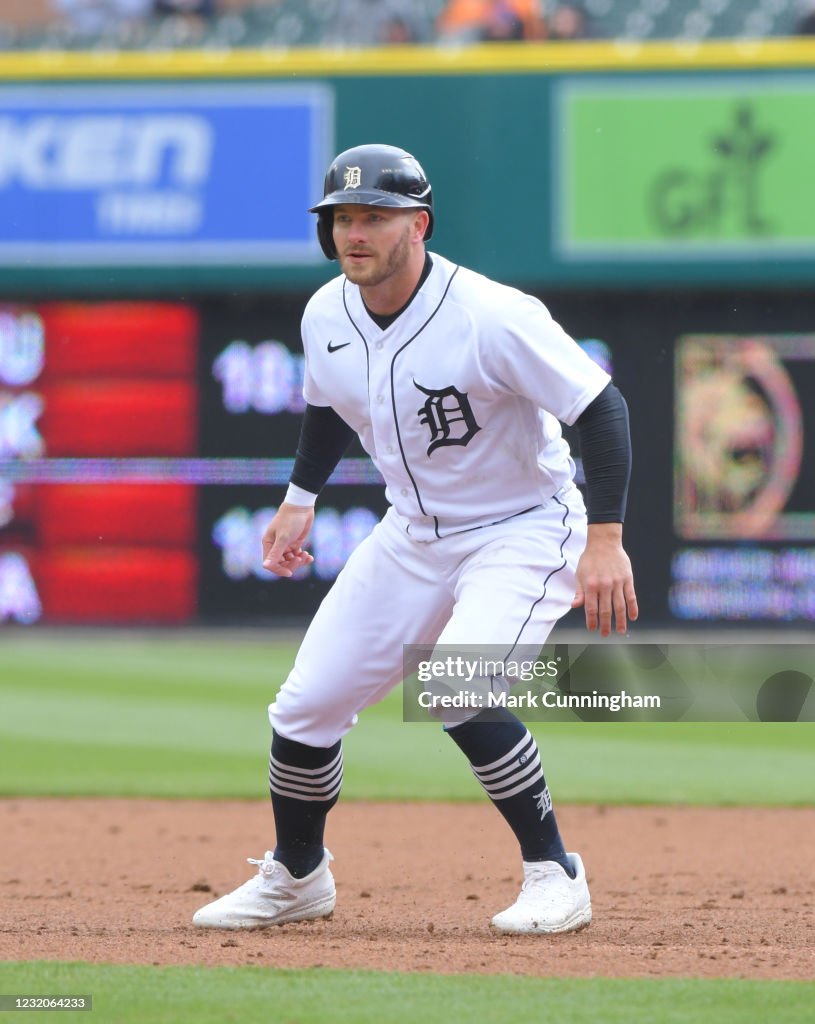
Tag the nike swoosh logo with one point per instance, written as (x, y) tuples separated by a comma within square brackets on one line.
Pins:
[(335, 348)]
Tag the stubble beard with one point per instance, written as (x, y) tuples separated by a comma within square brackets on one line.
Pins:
[(371, 275)]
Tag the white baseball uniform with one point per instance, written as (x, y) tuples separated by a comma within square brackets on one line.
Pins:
[(457, 402)]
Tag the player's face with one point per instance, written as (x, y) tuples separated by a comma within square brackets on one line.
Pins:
[(373, 243)]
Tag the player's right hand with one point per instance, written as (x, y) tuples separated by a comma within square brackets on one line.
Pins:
[(283, 538)]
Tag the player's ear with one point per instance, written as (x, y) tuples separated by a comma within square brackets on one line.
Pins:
[(421, 223)]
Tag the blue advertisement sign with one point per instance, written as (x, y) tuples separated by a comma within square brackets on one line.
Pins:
[(143, 174)]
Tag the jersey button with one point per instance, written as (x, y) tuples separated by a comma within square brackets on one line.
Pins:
[(380, 399), (389, 449), (405, 492), (380, 345)]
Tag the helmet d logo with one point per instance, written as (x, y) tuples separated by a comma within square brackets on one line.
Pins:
[(353, 177)]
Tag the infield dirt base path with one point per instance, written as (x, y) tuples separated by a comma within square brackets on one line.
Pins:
[(676, 891)]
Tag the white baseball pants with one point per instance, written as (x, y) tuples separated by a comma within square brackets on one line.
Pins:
[(503, 584)]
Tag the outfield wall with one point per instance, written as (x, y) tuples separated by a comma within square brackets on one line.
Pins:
[(573, 164)]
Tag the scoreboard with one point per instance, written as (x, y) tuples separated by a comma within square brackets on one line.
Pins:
[(144, 446)]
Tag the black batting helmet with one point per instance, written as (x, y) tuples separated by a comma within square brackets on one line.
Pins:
[(373, 175)]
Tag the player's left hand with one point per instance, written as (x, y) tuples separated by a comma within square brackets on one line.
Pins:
[(605, 582)]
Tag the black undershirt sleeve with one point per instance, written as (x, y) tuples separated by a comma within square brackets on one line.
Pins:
[(324, 439), (605, 446)]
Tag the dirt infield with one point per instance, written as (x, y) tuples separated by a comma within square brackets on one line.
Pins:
[(676, 891)]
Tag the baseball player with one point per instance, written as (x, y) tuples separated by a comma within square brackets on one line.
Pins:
[(455, 385)]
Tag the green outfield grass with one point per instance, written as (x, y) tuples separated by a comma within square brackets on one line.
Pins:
[(169, 995), (185, 716)]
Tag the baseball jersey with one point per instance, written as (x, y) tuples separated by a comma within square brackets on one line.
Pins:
[(458, 401)]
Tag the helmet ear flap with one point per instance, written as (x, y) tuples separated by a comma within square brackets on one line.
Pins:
[(325, 233)]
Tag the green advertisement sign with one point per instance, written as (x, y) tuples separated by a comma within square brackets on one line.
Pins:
[(676, 169)]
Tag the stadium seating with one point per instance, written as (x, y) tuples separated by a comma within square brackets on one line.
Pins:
[(693, 19), (297, 23)]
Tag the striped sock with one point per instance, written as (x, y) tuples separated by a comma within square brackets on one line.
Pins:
[(304, 783), (505, 759)]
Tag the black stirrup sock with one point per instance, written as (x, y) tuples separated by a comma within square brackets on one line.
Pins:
[(304, 783), (505, 759)]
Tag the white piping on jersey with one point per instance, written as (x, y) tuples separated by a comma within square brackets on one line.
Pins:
[(546, 581), (364, 342), (393, 399)]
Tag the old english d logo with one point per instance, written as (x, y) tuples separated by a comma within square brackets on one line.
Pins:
[(352, 177), (449, 416)]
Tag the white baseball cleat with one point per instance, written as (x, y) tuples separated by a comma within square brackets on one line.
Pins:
[(273, 896), (549, 901)]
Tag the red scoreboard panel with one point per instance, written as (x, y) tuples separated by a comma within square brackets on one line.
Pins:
[(142, 448), (102, 381)]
